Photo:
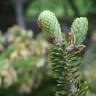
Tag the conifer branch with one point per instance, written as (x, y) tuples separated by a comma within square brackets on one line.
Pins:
[(65, 57)]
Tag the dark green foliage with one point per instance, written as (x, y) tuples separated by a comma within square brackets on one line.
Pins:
[(66, 8), (66, 70)]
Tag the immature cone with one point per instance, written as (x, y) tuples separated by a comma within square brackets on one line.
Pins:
[(79, 28), (49, 23)]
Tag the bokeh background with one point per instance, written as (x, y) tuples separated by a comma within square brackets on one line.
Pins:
[(24, 64)]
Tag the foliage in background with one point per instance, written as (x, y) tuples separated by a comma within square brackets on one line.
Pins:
[(37, 6), (89, 8), (64, 8), (89, 67), (23, 65)]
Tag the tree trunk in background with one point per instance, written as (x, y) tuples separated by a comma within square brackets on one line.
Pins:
[(19, 13)]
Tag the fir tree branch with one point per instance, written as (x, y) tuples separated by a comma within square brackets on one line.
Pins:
[(65, 57)]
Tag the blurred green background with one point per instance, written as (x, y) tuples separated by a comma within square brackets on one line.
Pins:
[(24, 66)]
